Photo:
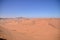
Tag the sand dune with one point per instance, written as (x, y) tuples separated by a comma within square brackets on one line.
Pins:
[(31, 29)]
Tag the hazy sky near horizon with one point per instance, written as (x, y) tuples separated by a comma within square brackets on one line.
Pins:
[(29, 8)]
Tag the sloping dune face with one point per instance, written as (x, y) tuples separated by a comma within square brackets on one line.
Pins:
[(32, 29)]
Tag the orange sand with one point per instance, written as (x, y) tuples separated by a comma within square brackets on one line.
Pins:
[(32, 29)]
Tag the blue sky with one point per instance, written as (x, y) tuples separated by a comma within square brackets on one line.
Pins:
[(30, 8)]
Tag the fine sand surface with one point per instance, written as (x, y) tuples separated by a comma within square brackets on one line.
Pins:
[(31, 29)]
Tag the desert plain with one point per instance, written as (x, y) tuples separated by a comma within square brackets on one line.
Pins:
[(30, 28)]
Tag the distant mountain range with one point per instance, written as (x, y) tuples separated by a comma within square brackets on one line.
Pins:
[(14, 18)]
